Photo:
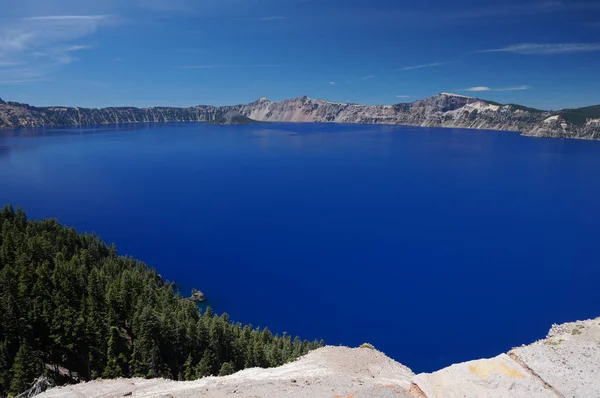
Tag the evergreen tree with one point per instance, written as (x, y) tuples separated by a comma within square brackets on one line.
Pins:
[(4, 366), (204, 367), (71, 302), (24, 370), (189, 371), (226, 369), (116, 358)]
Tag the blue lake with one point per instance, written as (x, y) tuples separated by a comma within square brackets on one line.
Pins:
[(434, 245)]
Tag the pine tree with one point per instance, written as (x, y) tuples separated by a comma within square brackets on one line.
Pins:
[(226, 369), (71, 302), (189, 371), (4, 366), (205, 366), (114, 366), (24, 370)]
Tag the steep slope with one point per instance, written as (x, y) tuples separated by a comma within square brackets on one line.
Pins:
[(73, 310), (442, 110), (230, 117)]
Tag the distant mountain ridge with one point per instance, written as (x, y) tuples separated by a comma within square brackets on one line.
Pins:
[(442, 110)]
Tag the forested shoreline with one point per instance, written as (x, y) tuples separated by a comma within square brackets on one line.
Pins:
[(75, 310)]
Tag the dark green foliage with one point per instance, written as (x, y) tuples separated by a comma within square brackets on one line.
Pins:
[(231, 117), (24, 369), (525, 108), (74, 309), (580, 116), (226, 369)]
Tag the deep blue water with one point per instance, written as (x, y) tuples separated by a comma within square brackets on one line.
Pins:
[(435, 245)]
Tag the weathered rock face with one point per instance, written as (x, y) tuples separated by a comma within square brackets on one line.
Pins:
[(14, 115), (443, 110)]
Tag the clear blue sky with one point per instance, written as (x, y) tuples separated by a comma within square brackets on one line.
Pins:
[(542, 53)]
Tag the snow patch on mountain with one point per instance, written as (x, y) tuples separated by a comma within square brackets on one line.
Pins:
[(551, 119)]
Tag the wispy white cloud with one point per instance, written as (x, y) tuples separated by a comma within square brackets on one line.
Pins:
[(485, 88), (403, 96), (546, 49), (333, 83), (431, 65), (477, 88), (63, 55), (368, 77), (62, 18), (34, 47), (229, 66)]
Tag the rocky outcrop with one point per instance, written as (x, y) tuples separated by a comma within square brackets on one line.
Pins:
[(564, 364), (197, 296), (231, 117), (442, 110)]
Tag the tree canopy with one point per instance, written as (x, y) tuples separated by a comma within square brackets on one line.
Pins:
[(74, 309)]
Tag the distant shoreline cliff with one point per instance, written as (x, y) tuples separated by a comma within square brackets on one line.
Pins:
[(442, 110)]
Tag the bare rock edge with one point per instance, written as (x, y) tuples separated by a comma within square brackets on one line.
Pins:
[(442, 110), (564, 364)]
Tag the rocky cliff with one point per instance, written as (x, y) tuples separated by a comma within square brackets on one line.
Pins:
[(564, 364), (442, 110)]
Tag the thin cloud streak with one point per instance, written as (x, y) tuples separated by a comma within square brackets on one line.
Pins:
[(368, 77), (333, 83), (228, 66), (62, 55), (546, 49), (70, 18), (431, 65), (41, 45), (517, 88), (478, 88), (403, 96), (485, 88)]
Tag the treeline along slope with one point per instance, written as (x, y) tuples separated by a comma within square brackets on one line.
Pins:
[(74, 309)]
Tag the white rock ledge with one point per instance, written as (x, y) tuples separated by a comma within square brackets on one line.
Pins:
[(565, 364)]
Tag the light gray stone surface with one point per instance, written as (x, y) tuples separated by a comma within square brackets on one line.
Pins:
[(497, 377), (565, 364), (326, 372), (442, 110), (568, 359)]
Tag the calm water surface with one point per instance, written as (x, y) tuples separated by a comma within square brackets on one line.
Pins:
[(435, 245)]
